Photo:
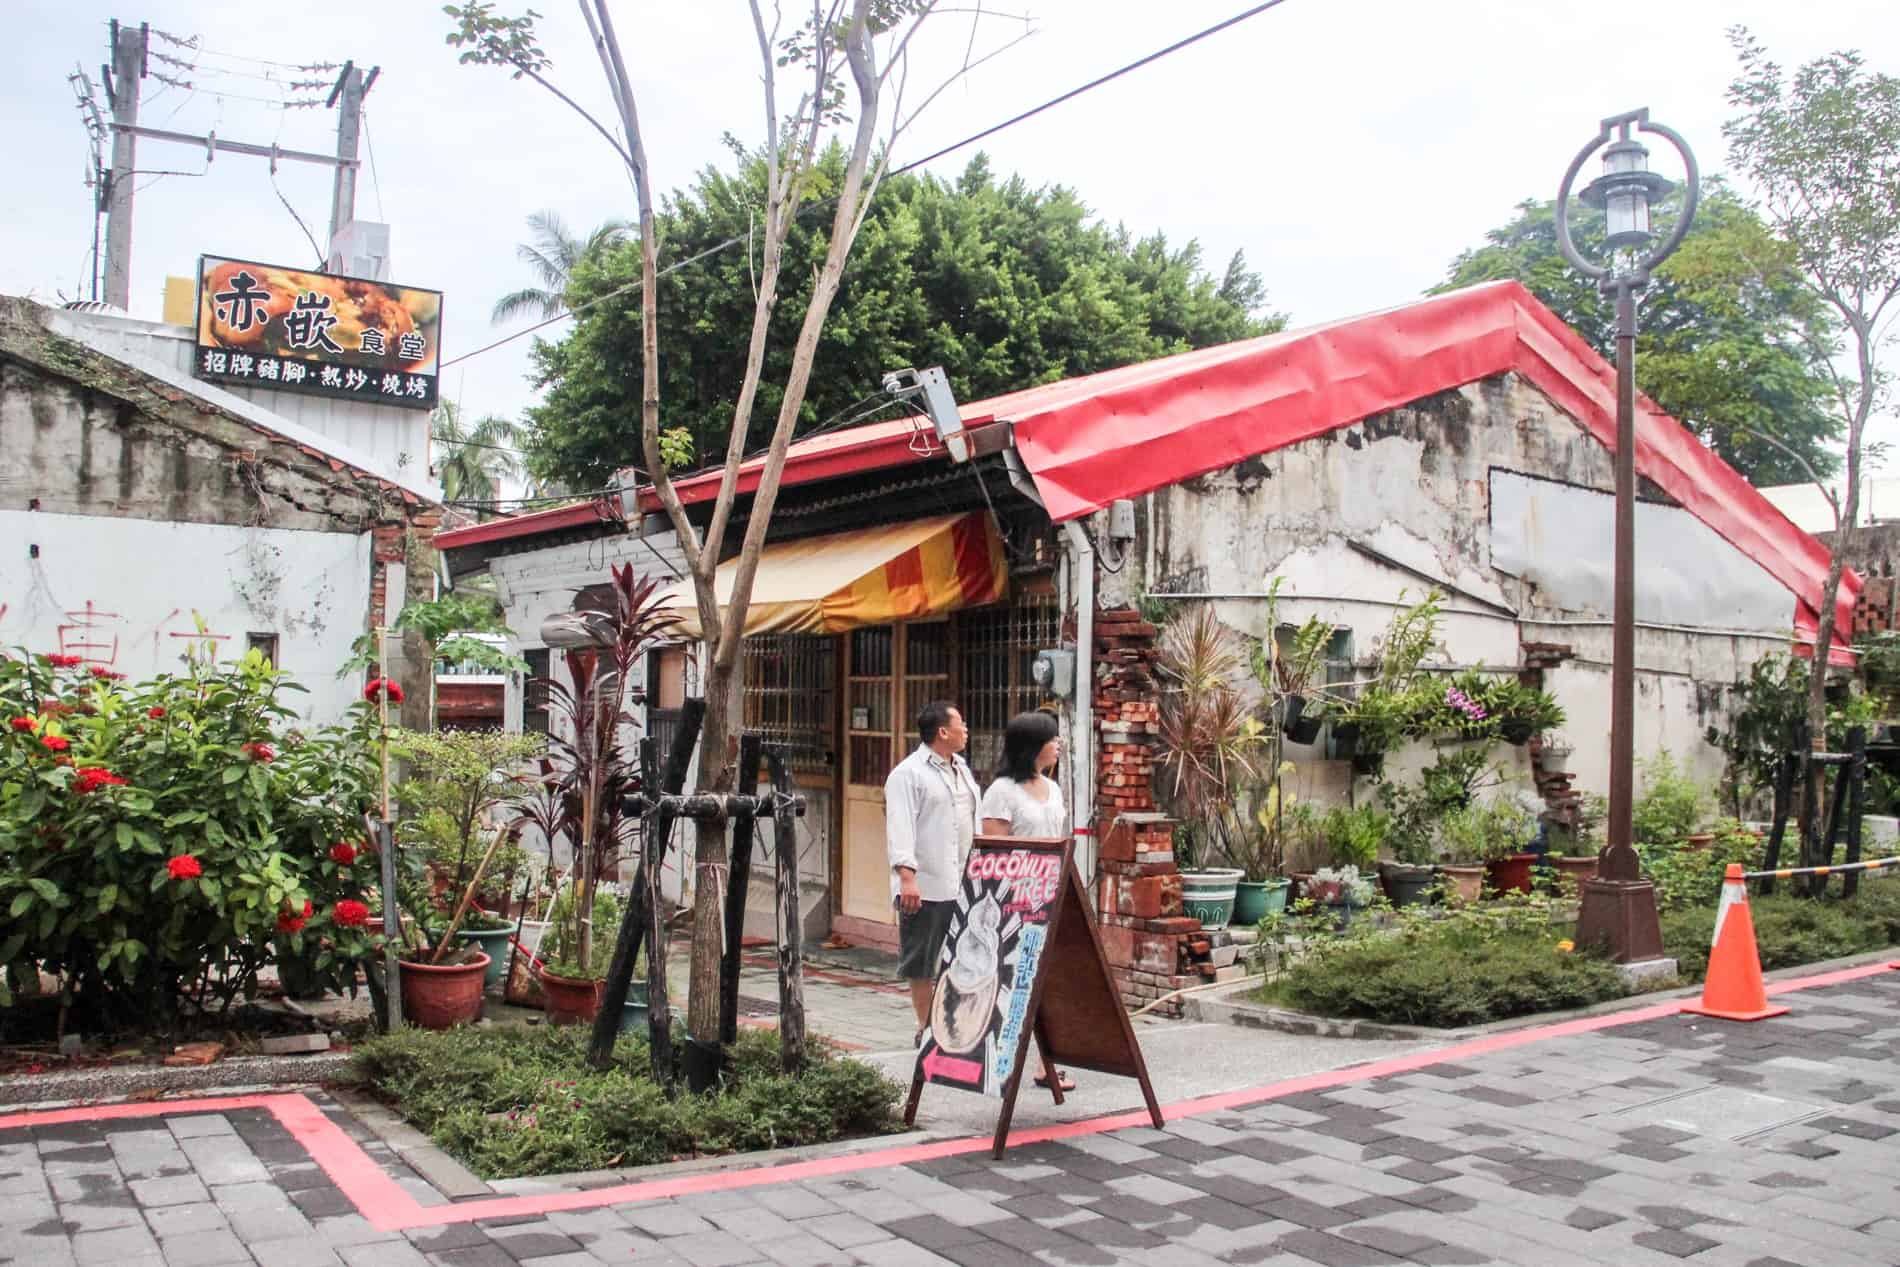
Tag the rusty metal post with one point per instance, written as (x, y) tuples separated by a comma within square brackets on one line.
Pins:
[(1619, 906)]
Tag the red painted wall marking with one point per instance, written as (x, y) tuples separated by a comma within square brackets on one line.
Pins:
[(388, 1206)]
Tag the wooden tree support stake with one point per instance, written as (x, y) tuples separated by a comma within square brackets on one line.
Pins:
[(791, 924), (738, 882)]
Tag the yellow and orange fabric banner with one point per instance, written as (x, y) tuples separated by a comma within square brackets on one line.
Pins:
[(873, 576)]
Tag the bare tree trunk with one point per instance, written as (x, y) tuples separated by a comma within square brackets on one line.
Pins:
[(1844, 540), (709, 860)]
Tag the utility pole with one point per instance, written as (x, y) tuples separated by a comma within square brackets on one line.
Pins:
[(349, 125), (122, 93)]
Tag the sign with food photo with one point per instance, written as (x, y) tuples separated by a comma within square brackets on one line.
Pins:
[(319, 333)]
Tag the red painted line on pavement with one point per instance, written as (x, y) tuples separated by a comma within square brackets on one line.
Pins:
[(390, 1207)]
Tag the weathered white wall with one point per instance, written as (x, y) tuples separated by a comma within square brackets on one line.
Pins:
[(127, 593), (1494, 492), (393, 443)]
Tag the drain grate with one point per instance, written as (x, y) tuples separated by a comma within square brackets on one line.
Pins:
[(1721, 1112), (757, 1007)]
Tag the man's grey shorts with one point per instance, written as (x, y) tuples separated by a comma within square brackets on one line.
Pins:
[(920, 940)]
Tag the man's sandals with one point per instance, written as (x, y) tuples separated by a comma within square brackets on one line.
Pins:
[(1065, 1081)]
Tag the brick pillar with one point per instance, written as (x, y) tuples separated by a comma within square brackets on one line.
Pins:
[(410, 543), (1151, 945)]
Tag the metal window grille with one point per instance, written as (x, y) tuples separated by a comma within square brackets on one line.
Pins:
[(534, 692), (996, 647), (791, 696)]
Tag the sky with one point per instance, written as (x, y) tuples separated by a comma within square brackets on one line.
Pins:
[(1351, 148)]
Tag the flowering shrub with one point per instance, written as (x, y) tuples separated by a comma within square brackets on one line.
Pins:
[(162, 841)]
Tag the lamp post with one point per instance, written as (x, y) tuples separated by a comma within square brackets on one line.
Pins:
[(1619, 906)]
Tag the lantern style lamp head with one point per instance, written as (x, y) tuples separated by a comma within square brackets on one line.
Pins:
[(1624, 193)]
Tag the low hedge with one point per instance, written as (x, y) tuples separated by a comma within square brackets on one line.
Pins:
[(1790, 930), (509, 1101), (1428, 977)]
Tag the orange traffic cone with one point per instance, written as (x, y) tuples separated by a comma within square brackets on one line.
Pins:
[(1733, 988)]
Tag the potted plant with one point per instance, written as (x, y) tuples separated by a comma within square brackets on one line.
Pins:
[(442, 975), (1343, 890), (1574, 843), (1294, 675), (571, 993), (1408, 876), (1256, 841), (1210, 742), (1553, 754), (1523, 710), (1377, 721), (1462, 834), (582, 790), (455, 782), (1507, 828), (1672, 807)]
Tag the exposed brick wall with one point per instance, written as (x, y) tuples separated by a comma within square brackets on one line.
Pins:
[(1138, 899), (1562, 802), (411, 542)]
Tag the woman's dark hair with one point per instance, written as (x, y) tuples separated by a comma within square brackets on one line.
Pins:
[(1023, 738)]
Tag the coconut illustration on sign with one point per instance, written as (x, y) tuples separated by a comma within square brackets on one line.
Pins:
[(965, 1001)]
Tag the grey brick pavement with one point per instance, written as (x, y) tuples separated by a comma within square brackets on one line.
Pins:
[(1679, 1140)]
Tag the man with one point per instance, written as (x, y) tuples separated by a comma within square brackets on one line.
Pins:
[(930, 817)]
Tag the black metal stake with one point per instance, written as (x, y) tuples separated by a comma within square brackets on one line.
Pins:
[(737, 884)]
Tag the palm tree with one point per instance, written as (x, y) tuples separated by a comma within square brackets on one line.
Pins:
[(474, 460), (553, 255)]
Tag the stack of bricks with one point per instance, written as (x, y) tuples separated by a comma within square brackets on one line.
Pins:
[(1145, 933), (1127, 715), (1563, 803)]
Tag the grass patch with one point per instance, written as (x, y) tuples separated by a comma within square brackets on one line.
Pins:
[(1444, 977), (509, 1101), (1791, 931)]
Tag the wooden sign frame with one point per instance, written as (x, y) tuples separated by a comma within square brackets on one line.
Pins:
[(1081, 1025)]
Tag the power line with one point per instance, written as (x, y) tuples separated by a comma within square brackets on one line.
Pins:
[(731, 242), (374, 180)]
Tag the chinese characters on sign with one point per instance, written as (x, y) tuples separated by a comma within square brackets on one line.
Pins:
[(317, 333)]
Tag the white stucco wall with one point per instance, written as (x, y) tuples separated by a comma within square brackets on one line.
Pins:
[(127, 594), (1495, 492)]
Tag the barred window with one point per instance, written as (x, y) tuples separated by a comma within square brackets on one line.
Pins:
[(996, 648), (791, 696)]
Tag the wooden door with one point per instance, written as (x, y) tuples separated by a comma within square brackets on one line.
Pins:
[(891, 671)]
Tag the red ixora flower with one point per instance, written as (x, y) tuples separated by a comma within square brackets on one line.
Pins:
[(343, 853), (350, 913), (288, 921), (106, 675), (91, 778), (154, 713), (55, 743), (64, 661), (26, 723), (385, 687), (184, 867), (260, 752)]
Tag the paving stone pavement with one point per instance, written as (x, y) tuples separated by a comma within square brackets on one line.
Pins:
[(1657, 1142)]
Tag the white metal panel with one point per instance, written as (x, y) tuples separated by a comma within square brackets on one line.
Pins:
[(1561, 537)]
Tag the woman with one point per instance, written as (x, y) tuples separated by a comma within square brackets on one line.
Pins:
[(1023, 799)]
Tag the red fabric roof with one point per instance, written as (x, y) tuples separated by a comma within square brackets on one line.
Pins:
[(1205, 410), (574, 516)]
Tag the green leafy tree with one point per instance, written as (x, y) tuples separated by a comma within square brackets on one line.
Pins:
[(1823, 147), (475, 459), (552, 255), (1003, 284), (1732, 342)]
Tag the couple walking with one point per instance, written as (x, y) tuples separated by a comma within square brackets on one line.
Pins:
[(933, 809)]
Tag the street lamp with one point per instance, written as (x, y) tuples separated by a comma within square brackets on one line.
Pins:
[(1619, 906)]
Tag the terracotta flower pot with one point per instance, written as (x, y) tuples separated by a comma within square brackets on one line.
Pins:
[(436, 996), (1464, 882), (570, 1000), (1572, 872), (1697, 842), (1510, 874)]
